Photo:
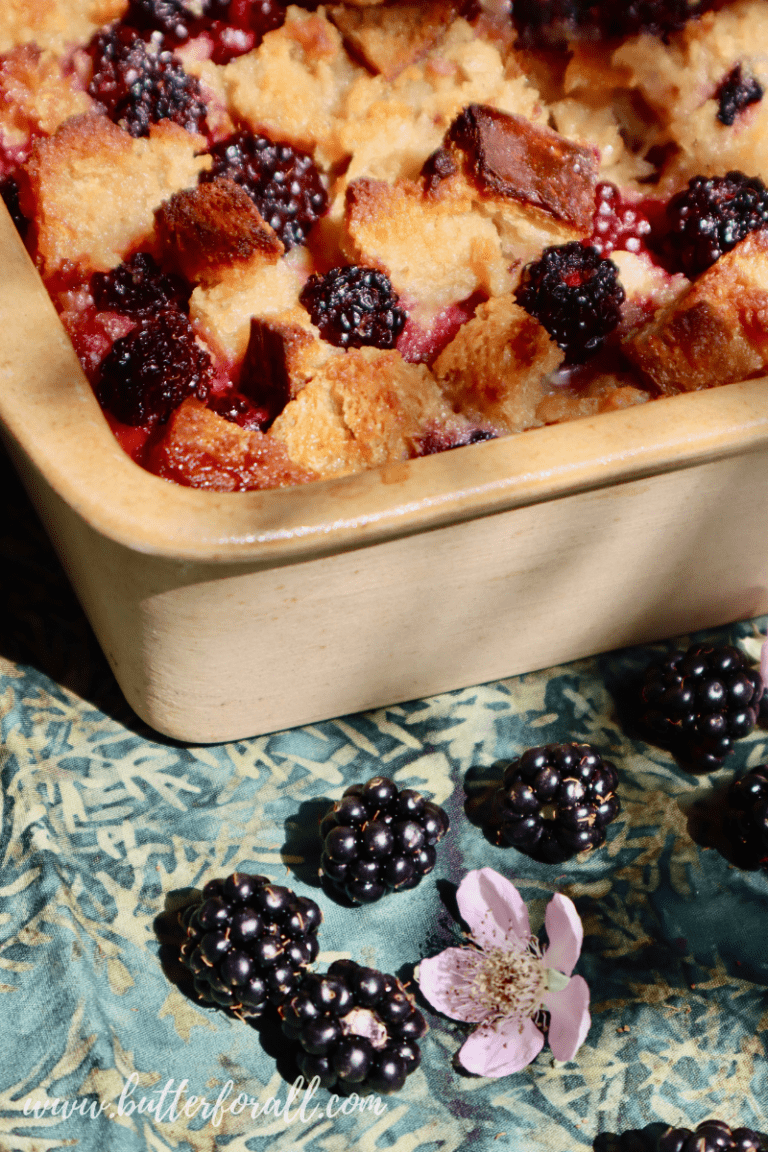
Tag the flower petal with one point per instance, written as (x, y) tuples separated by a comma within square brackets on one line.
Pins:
[(570, 1018), (494, 910), (501, 1049), (565, 933), (444, 981)]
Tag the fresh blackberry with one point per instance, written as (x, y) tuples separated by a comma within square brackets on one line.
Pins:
[(138, 87), (282, 181), (379, 838), (556, 801), (712, 1136), (354, 306), (249, 942), (736, 93), (138, 288), (575, 294), (696, 703), (712, 215), (747, 822), (547, 23), (550, 23), (356, 1027), (148, 373)]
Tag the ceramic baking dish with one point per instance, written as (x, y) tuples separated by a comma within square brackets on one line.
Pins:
[(230, 615)]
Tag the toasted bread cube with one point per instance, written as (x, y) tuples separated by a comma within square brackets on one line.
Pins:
[(93, 189), (203, 232), (494, 368), (203, 450), (36, 95), (434, 252), (364, 408), (292, 85), (717, 331), (223, 313), (282, 358), (390, 38)]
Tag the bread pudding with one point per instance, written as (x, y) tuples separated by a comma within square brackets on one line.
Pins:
[(292, 242)]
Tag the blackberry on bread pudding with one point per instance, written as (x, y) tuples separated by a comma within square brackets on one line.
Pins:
[(375, 231)]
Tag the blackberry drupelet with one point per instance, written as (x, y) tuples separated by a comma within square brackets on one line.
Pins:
[(356, 1027), (354, 306), (712, 1136), (556, 801), (574, 293), (711, 216), (139, 289), (659, 17), (696, 703), (282, 181), (379, 838), (138, 87), (549, 23), (736, 93), (148, 373), (249, 942), (747, 822)]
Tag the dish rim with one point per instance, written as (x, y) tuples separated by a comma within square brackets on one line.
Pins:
[(49, 412)]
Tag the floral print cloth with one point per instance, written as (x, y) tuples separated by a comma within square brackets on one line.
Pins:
[(106, 826)]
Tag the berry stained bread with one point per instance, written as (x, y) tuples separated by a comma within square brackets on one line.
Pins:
[(292, 242)]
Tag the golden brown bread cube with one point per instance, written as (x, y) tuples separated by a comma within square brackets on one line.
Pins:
[(203, 232), (55, 24), (434, 252), (364, 408), (494, 368), (717, 331), (93, 189), (203, 450)]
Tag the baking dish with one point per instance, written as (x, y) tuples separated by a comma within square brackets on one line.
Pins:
[(231, 615)]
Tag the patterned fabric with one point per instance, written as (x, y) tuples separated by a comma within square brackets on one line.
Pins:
[(106, 826)]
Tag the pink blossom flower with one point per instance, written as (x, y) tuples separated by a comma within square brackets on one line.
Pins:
[(503, 981)]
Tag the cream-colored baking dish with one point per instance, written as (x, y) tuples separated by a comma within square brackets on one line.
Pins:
[(229, 615)]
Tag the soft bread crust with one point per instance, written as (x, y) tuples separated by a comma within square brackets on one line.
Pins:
[(390, 38), (717, 332), (203, 232), (494, 368), (203, 450), (364, 408), (606, 393), (434, 252), (93, 189)]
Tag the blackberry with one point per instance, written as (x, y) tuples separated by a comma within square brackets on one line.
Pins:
[(574, 293), (379, 838), (712, 1136), (138, 87), (696, 703), (550, 23), (354, 306), (747, 822), (9, 191), (736, 93), (547, 23), (282, 181), (249, 942), (711, 216), (138, 288), (659, 17), (556, 801), (173, 18), (148, 373), (356, 1027)]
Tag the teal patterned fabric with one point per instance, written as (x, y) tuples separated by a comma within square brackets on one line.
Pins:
[(106, 827)]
